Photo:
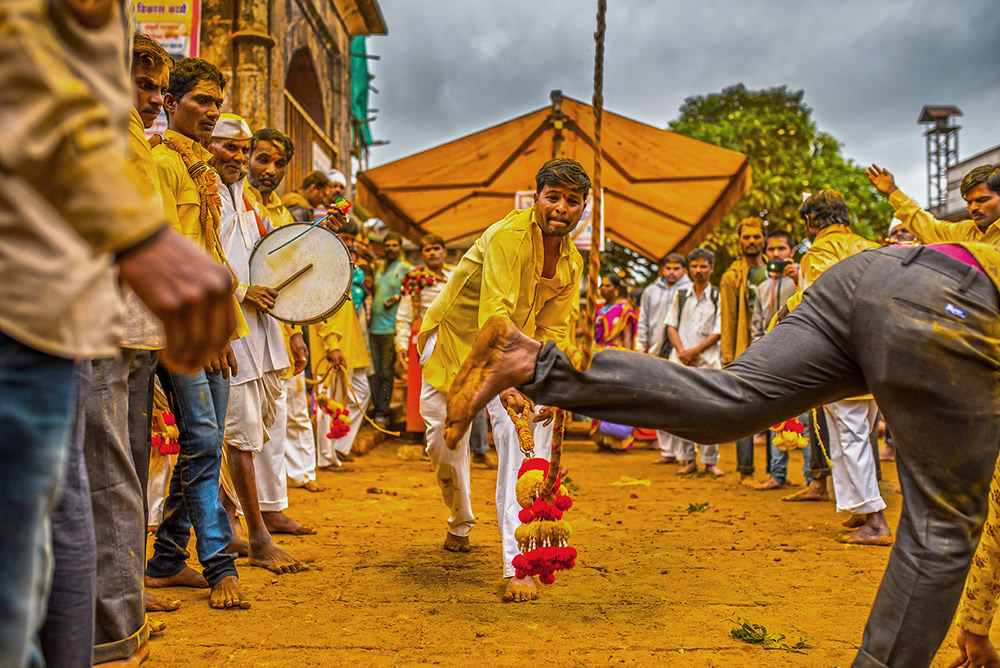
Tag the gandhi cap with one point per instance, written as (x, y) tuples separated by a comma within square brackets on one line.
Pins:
[(231, 126)]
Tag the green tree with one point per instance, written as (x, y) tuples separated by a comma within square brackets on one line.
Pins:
[(788, 155)]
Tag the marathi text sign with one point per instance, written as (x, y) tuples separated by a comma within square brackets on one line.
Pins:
[(176, 24)]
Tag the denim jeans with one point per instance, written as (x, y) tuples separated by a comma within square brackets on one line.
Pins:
[(779, 457), (383, 359), (199, 401), (478, 442), (36, 414)]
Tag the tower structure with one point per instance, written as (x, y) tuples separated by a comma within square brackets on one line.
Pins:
[(942, 151)]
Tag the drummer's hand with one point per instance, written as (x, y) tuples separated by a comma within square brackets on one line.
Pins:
[(300, 354), (261, 297), (335, 221), (336, 359), (514, 399), (224, 363), (186, 289)]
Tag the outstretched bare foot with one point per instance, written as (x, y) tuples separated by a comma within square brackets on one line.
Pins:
[(520, 590), (274, 559), (156, 603), (855, 521), (875, 531), (313, 486), (690, 467), (227, 594), (501, 357), (188, 577), (816, 491), (239, 546), (454, 543), (770, 484), (279, 522), (714, 470)]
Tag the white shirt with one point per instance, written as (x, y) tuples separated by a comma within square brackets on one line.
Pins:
[(404, 314), (699, 320), (263, 349), (653, 309)]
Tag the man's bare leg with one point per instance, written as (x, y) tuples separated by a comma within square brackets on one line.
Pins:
[(816, 491), (454, 543), (187, 577), (239, 544), (263, 550), (278, 522), (520, 590), (227, 594), (501, 357), (875, 531)]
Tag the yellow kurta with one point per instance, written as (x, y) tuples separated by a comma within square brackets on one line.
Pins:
[(982, 587), (502, 275), (930, 230), (341, 331), (181, 202), (736, 316)]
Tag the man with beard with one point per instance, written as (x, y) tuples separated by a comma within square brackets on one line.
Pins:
[(738, 289), (526, 270)]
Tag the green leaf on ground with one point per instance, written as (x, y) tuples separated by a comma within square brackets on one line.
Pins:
[(755, 634), (698, 507)]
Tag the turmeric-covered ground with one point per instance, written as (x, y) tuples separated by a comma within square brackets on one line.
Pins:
[(654, 583)]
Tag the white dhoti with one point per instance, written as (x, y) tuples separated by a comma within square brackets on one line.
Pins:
[(855, 483), (509, 458), (327, 448), (251, 413), (685, 450), (450, 466), (160, 468), (269, 463), (300, 443)]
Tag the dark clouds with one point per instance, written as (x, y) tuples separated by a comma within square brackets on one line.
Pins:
[(449, 67)]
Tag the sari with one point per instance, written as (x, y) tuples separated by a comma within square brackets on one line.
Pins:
[(610, 325)]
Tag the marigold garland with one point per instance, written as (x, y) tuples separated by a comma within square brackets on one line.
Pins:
[(165, 433), (417, 279), (789, 435), (543, 536), (340, 423)]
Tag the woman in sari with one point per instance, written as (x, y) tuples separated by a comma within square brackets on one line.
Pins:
[(614, 328)]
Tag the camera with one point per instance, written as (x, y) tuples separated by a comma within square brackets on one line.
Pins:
[(777, 266)]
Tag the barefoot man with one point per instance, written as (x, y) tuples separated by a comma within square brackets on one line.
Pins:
[(525, 270), (940, 311)]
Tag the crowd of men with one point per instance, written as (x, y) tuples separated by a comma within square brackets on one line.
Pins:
[(180, 217)]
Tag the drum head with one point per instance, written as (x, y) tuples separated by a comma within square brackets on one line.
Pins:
[(320, 291)]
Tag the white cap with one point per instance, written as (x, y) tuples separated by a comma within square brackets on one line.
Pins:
[(231, 126), (336, 176), (893, 225)]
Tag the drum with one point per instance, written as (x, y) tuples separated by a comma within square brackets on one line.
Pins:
[(314, 292)]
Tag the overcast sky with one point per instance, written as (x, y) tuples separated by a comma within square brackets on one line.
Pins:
[(449, 68)]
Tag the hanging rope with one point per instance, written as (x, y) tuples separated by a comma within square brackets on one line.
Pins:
[(594, 270)]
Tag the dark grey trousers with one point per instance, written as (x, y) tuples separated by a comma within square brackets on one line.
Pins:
[(913, 326)]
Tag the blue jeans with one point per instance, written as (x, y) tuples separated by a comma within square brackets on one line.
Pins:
[(199, 402), (36, 413), (383, 359), (779, 457), (478, 441)]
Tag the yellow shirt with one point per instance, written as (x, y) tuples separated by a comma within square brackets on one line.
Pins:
[(735, 335), (979, 602), (341, 331), (930, 230), (181, 202), (502, 275)]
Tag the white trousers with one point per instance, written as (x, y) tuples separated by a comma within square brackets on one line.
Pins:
[(683, 450), (326, 447), (450, 466), (269, 463), (667, 443), (855, 483), (160, 468), (300, 444), (509, 459)]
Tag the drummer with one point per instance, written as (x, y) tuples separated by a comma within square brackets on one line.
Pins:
[(260, 356)]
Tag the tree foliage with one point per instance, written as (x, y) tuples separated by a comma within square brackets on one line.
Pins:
[(788, 155)]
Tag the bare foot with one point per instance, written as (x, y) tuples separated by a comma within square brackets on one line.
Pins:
[(156, 603), (454, 543), (141, 654), (278, 522), (665, 460), (690, 467), (816, 491), (155, 626), (501, 357), (520, 590), (239, 546), (274, 559), (771, 484), (345, 456), (875, 531), (887, 454), (188, 577), (714, 470), (747, 481), (227, 594), (855, 521), (484, 459), (313, 486)]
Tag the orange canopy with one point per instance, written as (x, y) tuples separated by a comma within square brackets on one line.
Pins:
[(663, 192)]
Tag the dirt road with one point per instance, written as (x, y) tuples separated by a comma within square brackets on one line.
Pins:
[(654, 583)]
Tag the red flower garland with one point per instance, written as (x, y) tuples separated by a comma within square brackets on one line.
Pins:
[(417, 279)]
